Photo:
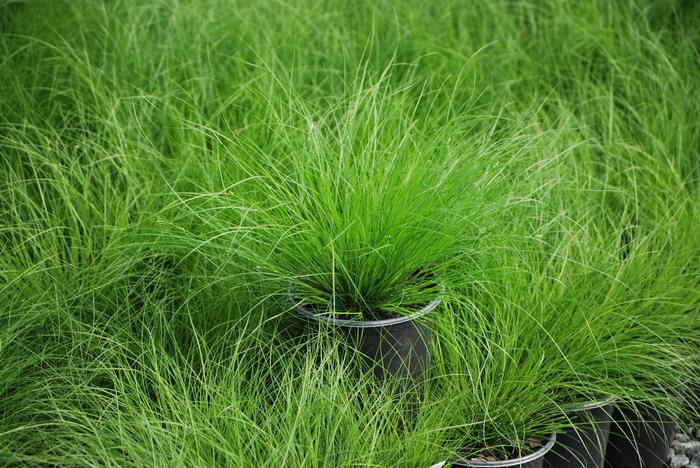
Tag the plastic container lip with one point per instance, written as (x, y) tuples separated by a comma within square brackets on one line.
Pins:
[(508, 463), (366, 323), (585, 405), (590, 405)]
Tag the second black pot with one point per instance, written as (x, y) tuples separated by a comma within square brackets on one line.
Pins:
[(583, 446), (639, 440)]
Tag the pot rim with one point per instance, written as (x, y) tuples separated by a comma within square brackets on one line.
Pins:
[(366, 323), (591, 405), (508, 463)]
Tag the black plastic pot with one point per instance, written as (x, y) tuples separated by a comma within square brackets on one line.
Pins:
[(532, 460), (396, 347), (639, 440), (583, 446)]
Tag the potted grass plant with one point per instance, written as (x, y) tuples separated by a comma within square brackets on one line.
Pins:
[(498, 382), (663, 311), (630, 364), (515, 285), (356, 214), (616, 330)]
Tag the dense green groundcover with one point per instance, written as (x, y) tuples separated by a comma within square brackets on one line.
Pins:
[(170, 169)]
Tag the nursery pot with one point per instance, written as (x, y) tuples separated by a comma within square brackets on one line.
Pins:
[(395, 347), (639, 442), (531, 460), (583, 446)]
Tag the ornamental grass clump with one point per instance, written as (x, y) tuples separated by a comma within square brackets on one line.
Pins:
[(489, 363), (359, 209)]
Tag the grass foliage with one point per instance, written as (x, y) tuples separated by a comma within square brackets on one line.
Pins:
[(170, 170)]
